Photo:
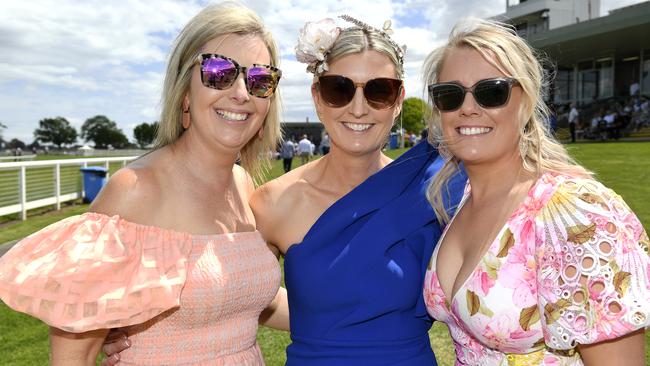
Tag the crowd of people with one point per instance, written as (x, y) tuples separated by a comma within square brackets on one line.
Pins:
[(305, 149), (606, 120)]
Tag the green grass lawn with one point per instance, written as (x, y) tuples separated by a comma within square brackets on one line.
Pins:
[(625, 167)]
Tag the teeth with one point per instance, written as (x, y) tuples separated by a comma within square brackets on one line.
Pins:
[(232, 115), (474, 130), (357, 126)]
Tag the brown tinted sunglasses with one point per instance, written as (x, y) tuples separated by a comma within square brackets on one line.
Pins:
[(338, 91)]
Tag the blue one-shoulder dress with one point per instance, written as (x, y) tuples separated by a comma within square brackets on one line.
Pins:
[(355, 281)]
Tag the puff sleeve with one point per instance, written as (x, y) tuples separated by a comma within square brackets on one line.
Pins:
[(94, 271), (593, 267)]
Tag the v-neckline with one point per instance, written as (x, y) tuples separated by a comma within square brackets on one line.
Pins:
[(448, 300)]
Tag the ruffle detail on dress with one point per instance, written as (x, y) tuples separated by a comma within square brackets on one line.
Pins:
[(593, 266), (94, 271)]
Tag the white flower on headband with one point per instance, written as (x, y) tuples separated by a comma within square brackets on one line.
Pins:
[(314, 42)]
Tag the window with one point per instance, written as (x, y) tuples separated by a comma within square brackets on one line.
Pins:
[(563, 86), (587, 81), (605, 78)]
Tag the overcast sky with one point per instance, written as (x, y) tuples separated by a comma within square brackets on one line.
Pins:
[(79, 59)]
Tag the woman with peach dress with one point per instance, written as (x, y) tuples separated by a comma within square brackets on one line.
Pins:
[(169, 250)]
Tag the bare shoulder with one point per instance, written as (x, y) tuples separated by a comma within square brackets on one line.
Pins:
[(276, 193), (243, 180), (275, 201), (130, 192)]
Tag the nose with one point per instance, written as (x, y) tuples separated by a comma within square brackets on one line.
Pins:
[(358, 106), (470, 107), (238, 91)]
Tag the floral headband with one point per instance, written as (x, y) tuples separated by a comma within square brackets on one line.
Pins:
[(316, 40)]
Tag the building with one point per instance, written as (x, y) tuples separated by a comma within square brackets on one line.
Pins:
[(595, 57)]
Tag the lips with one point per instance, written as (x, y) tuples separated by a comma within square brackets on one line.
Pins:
[(473, 131), (232, 116), (358, 127)]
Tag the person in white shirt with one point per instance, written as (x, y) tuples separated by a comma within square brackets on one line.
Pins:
[(304, 149), (634, 89), (286, 153), (325, 144)]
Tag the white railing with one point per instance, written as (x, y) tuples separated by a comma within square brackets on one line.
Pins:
[(17, 158), (28, 185)]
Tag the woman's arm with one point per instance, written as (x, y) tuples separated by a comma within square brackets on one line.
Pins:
[(628, 350), (75, 349), (276, 315)]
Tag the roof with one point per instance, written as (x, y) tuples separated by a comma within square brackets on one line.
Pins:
[(622, 32)]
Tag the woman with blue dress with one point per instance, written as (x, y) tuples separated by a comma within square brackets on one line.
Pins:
[(355, 228)]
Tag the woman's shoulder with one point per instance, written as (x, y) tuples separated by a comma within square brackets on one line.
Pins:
[(284, 188), (138, 183), (583, 191), (592, 248)]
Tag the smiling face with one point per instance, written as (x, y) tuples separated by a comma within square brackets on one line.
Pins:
[(356, 127), (231, 117), (472, 133)]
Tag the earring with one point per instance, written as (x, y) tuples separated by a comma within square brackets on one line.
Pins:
[(187, 118)]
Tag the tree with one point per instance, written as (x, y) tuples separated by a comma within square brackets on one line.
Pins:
[(15, 143), (103, 132), (144, 133), (414, 111), (55, 130)]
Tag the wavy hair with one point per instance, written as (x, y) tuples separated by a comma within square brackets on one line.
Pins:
[(504, 49)]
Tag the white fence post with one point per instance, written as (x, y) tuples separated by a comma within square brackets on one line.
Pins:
[(38, 199), (23, 194), (57, 185)]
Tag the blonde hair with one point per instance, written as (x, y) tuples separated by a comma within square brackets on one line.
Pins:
[(500, 45), (356, 40), (212, 22)]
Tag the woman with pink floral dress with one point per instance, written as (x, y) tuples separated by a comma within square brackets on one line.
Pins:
[(540, 263)]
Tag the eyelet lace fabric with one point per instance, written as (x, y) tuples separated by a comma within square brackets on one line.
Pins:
[(182, 298), (570, 267)]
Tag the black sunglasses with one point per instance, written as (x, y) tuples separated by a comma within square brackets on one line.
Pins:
[(338, 91), (221, 72), (488, 93)]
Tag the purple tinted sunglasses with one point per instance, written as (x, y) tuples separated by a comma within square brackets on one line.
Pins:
[(220, 72)]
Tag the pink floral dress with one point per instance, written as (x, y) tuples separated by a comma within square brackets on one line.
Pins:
[(569, 267)]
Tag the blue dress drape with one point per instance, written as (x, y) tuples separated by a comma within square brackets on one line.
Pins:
[(355, 281)]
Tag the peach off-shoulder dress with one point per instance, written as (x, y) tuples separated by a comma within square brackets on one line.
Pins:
[(183, 299)]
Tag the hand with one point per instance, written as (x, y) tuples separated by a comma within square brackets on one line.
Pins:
[(116, 342)]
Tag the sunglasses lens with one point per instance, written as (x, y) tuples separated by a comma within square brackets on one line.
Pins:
[(337, 91), (447, 97), (492, 93), (382, 93), (261, 81), (218, 73)]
